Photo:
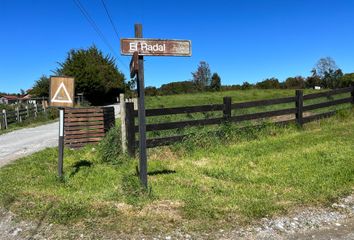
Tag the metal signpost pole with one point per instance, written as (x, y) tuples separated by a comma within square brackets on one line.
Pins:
[(141, 114), (61, 143)]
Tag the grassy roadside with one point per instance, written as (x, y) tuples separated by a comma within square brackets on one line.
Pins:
[(203, 184)]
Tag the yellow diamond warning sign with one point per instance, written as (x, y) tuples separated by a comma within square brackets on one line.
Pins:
[(61, 92)]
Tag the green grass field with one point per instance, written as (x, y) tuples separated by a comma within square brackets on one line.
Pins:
[(237, 96), (216, 97), (201, 185)]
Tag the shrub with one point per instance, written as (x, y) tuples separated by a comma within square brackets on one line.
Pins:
[(110, 148)]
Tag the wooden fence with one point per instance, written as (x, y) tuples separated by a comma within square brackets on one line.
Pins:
[(20, 114), (226, 108), (86, 125)]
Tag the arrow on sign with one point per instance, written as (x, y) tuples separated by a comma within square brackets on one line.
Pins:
[(60, 99)]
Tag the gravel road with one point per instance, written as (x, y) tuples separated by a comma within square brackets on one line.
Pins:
[(26, 141)]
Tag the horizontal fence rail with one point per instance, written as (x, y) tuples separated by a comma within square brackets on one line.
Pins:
[(293, 114), (267, 102), (84, 126)]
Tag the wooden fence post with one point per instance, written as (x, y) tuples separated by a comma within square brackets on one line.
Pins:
[(35, 110), (352, 93), (227, 108), (299, 102), (123, 126), (18, 118), (27, 111), (130, 128), (4, 115)]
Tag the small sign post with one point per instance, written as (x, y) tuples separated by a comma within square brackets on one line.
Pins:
[(61, 143), (139, 47), (61, 95)]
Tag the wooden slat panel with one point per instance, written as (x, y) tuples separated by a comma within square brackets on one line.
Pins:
[(174, 125), (328, 93), (81, 119), (81, 140), (83, 128), (327, 104), (318, 116), (263, 115), (83, 110), (69, 115), (83, 131), (182, 110), (84, 124), (266, 102), (86, 136)]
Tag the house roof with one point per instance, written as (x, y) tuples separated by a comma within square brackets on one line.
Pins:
[(9, 97)]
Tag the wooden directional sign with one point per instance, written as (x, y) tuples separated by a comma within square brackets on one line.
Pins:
[(140, 47), (61, 92), (155, 47)]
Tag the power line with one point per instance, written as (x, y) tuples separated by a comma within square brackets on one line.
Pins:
[(97, 29), (110, 18)]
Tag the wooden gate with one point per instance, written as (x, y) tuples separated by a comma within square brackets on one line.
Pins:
[(86, 125)]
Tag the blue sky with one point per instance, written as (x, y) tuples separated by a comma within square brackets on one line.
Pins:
[(241, 40)]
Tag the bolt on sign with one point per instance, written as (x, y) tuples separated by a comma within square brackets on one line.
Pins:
[(156, 47), (61, 91)]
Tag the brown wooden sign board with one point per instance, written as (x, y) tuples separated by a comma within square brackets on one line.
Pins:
[(61, 92), (155, 47)]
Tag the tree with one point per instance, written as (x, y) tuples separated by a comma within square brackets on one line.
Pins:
[(269, 83), (215, 82), (246, 86), (96, 75), (151, 91), (325, 65), (41, 87), (347, 80), (177, 88), (329, 73), (202, 77), (295, 82), (332, 78), (313, 80)]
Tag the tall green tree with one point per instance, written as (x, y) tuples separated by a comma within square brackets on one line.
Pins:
[(295, 82), (96, 75), (269, 83), (332, 78), (313, 80), (347, 80), (215, 84), (329, 73), (41, 87), (325, 65), (202, 77)]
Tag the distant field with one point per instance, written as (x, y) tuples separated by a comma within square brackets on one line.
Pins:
[(217, 97), (203, 185), (205, 98)]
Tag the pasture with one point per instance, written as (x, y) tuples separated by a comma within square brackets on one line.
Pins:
[(205, 183)]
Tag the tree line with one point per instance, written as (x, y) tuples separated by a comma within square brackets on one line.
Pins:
[(325, 74)]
